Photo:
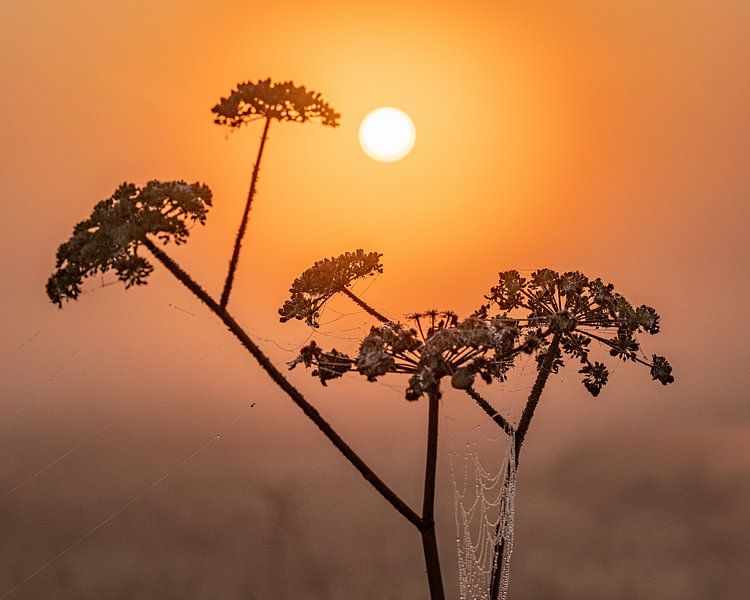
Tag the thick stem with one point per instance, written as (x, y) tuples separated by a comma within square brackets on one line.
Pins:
[(432, 561), (429, 539), (310, 411), (243, 224), (490, 410), (523, 426), (367, 308)]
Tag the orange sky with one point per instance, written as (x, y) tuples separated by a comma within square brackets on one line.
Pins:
[(610, 138), (607, 140)]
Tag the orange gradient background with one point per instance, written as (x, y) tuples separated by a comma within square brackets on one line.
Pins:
[(610, 138)]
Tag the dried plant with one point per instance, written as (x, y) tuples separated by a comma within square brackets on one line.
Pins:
[(459, 349), (326, 278), (268, 101), (550, 315), (158, 213), (111, 237), (567, 307), (282, 101)]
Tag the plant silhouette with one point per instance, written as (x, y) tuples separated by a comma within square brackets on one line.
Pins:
[(548, 315), (266, 100), (118, 226)]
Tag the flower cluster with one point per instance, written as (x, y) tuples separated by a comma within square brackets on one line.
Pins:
[(579, 310), (327, 365), (326, 278), (437, 346), (110, 237), (547, 313), (282, 101)]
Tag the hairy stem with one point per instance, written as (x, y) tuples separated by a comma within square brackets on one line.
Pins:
[(279, 379), (367, 308), (429, 539), (541, 380), (523, 427), (243, 224), (490, 410)]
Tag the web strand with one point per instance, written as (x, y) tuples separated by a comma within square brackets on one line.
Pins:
[(213, 439), (484, 503)]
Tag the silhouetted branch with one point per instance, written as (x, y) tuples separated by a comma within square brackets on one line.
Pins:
[(283, 101), (243, 223), (545, 368), (490, 410), (367, 308), (536, 392), (323, 280), (310, 411), (429, 539)]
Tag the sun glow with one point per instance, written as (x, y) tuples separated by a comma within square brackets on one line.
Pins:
[(387, 134)]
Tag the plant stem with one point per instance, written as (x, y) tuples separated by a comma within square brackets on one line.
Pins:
[(427, 530), (367, 308), (523, 426), (490, 410), (310, 411), (429, 539), (243, 224), (541, 380)]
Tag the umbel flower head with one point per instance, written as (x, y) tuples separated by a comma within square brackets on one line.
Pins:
[(579, 310), (568, 308), (437, 345), (326, 278), (283, 101), (111, 236)]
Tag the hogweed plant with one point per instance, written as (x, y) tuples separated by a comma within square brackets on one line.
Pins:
[(549, 315), (267, 101)]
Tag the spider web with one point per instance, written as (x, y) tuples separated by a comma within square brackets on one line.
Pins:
[(484, 503)]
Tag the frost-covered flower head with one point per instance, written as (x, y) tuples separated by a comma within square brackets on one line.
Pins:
[(282, 101), (111, 236)]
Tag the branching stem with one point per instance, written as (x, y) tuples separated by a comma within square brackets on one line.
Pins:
[(279, 379)]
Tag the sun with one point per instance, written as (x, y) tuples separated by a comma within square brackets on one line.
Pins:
[(387, 134)]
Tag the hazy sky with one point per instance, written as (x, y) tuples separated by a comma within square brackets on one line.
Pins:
[(607, 137)]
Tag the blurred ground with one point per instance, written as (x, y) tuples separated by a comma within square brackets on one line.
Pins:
[(254, 515)]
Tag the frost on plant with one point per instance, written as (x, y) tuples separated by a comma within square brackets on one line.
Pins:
[(282, 101), (110, 238)]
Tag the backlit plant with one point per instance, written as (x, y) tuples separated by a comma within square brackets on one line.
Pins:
[(549, 315), (269, 101)]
